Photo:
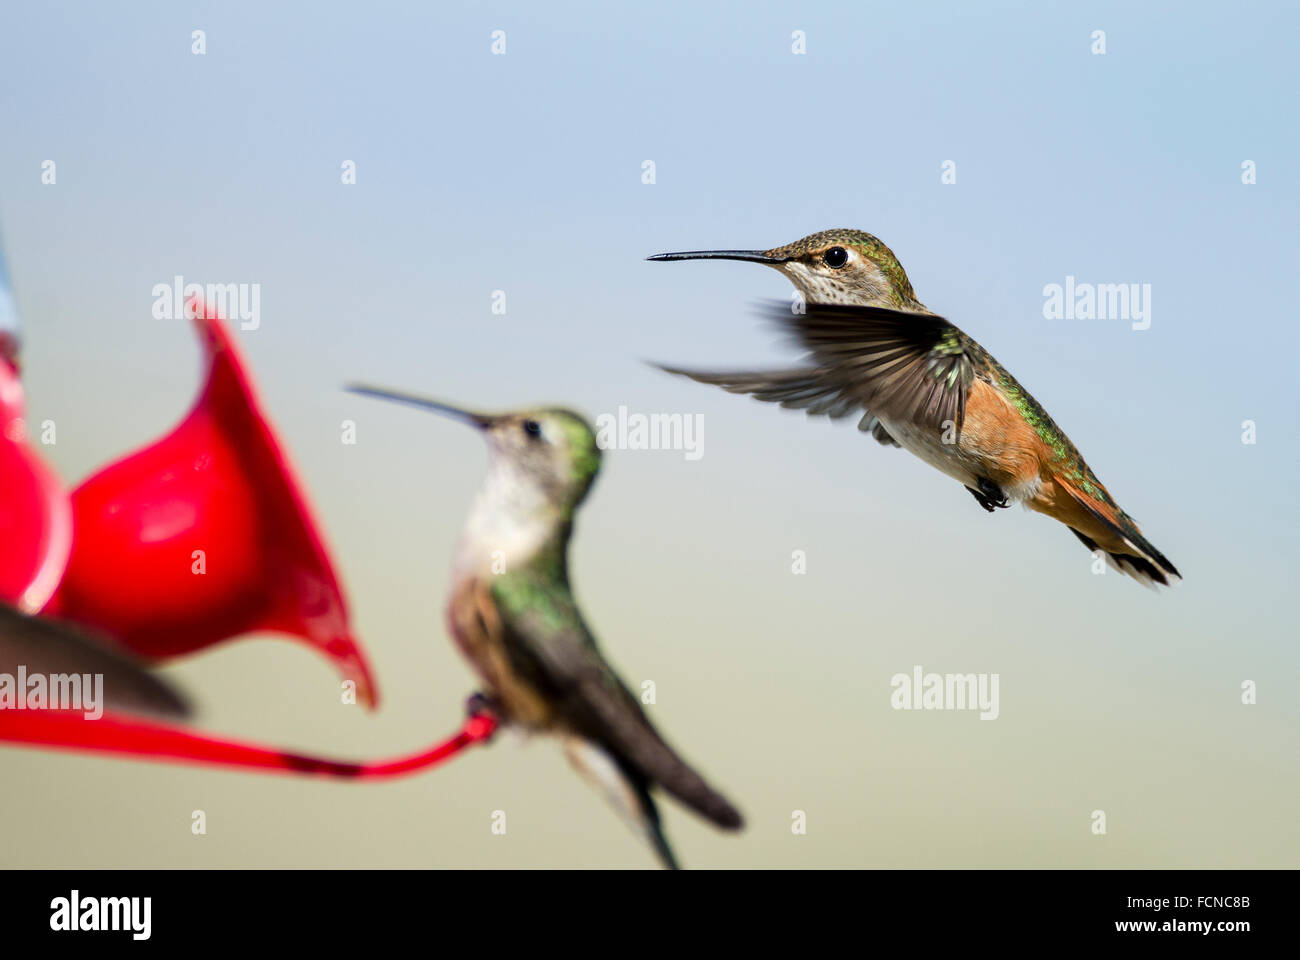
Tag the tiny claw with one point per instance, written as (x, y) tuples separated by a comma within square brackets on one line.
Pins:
[(989, 495), (481, 718)]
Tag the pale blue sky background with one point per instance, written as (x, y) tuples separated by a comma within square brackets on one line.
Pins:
[(523, 173)]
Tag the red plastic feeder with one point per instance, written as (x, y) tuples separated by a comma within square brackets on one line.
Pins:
[(35, 518), (206, 534)]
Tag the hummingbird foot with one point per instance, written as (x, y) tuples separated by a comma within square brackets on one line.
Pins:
[(989, 495), (480, 703)]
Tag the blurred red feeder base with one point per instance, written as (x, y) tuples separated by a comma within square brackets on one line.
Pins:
[(149, 740)]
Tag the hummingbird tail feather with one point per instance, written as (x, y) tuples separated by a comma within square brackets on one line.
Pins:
[(655, 762), (656, 833), (1126, 549), (626, 792)]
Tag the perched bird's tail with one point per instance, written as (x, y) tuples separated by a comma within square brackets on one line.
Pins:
[(655, 830), (626, 791)]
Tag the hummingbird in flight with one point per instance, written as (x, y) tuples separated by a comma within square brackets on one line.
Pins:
[(512, 614), (918, 382)]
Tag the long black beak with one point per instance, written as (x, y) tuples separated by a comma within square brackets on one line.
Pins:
[(480, 420), (750, 256)]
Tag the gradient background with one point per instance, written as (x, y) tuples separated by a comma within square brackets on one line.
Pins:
[(523, 173)]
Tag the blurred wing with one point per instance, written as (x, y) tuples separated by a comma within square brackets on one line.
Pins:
[(914, 367), (52, 647), (542, 624), (815, 390)]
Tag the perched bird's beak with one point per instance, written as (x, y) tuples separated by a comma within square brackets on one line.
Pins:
[(479, 420), (750, 256)]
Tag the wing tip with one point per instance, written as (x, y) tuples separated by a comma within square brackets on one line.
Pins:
[(678, 371)]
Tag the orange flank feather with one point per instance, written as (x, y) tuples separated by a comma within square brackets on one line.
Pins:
[(476, 625), (1007, 449)]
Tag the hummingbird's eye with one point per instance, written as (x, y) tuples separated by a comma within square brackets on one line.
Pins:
[(532, 428), (835, 257)]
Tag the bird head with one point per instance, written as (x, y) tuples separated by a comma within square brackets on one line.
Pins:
[(832, 266), (548, 455)]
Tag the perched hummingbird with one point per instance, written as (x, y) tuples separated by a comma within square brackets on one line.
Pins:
[(513, 615), (42, 646), (920, 383)]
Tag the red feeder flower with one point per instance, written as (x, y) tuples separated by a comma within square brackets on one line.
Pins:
[(206, 535), (35, 519)]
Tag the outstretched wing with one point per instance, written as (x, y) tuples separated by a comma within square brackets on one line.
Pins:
[(818, 391), (544, 632), (915, 367), (52, 647)]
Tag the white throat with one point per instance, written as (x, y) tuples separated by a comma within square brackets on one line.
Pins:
[(508, 521), (817, 288)]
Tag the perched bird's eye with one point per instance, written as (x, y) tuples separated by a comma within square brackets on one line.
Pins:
[(835, 257), (532, 428)]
